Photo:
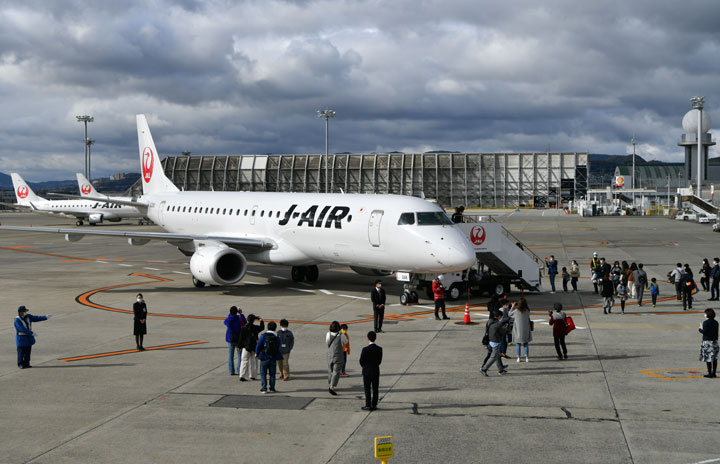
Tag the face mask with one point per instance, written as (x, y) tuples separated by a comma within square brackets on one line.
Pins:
[(140, 300)]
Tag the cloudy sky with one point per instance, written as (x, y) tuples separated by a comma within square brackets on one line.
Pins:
[(224, 77)]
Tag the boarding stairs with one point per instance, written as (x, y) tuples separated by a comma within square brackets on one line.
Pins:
[(699, 205), (502, 252)]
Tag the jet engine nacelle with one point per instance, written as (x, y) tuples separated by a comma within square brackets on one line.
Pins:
[(216, 265), (95, 218), (370, 272)]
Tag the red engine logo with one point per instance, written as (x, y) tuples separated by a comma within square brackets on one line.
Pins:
[(22, 192), (85, 189), (147, 164), (477, 235)]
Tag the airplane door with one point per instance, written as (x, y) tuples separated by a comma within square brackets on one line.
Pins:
[(374, 227), (252, 215), (161, 212)]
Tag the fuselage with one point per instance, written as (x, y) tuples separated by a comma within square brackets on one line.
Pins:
[(376, 231), (85, 208)]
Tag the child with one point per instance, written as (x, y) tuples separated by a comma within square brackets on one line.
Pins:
[(565, 278), (286, 341), (622, 293), (654, 290), (346, 349)]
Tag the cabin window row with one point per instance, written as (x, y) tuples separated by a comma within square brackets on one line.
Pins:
[(219, 211)]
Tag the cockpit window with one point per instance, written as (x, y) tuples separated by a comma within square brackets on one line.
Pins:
[(433, 219), (406, 219)]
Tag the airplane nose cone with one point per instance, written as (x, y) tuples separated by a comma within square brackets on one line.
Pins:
[(461, 255)]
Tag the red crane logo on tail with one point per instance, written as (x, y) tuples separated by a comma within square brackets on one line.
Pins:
[(147, 164), (85, 189), (22, 192), (477, 235)]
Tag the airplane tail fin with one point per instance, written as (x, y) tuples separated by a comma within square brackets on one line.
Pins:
[(23, 193), (86, 187), (154, 179)]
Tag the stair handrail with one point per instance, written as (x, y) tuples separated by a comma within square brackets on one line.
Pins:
[(524, 248)]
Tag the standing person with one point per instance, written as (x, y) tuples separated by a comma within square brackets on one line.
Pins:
[(552, 271), (24, 335), (631, 279), (457, 216), (622, 293), (654, 290), (574, 274), (705, 275), (268, 351), (715, 280), (616, 273), (378, 300), (497, 326), (139, 321), (286, 340), (594, 263), (370, 360), (505, 310), (608, 293), (641, 282), (232, 336), (557, 321), (522, 328), (709, 347), (334, 340), (677, 276), (688, 285), (346, 349), (439, 295), (565, 278), (603, 268), (248, 342)]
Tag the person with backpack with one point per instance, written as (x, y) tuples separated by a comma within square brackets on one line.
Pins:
[(640, 277), (688, 285), (607, 291), (334, 340), (654, 290), (622, 293), (268, 351), (676, 277), (286, 340), (557, 321), (232, 336), (248, 342)]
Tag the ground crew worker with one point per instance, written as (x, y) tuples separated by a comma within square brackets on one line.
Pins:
[(439, 296), (594, 265), (24, 336)]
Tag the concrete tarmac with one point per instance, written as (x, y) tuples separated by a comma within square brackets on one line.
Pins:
[(631, 391)]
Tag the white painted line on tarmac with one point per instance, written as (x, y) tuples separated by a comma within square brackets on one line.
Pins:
[(181, 272), (301, 290), (356, 297), (279, 277), (104, 262), (253, 272), (708, 461), (256, 283), (151, 268), (126, 265), (327, 292)]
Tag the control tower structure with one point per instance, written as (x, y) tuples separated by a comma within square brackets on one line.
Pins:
[(692, 139)]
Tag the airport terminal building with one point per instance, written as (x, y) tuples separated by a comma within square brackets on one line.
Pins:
[(473, 179)]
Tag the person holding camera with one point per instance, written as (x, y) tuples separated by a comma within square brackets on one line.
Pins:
[(497, 327), (248, 340)]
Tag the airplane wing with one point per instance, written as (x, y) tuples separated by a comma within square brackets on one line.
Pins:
[(16, 205), (136, 204), (239, 243)]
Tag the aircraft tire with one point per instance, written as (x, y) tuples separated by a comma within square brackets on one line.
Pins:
[(404, 299), (198, 283), (312, 273), (414, 297)]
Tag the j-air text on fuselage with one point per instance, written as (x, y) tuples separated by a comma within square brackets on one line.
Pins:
[(222, 231), (95, 209)]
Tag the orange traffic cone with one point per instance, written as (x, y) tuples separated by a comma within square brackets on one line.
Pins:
[(466, 319)]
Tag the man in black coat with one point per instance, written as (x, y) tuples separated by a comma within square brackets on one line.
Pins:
[(378, 300), (248, 339), (370, 359)]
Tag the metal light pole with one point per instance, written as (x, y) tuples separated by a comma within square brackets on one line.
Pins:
[(327, 114), (86, 119), (698, 103), (634, 142), (89, 143)]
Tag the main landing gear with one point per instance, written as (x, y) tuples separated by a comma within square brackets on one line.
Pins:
[(198, 283), (78, 222), (300, 273)]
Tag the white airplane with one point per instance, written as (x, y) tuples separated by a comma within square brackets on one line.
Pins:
[(88, 192), (94, 211), (221, 231)]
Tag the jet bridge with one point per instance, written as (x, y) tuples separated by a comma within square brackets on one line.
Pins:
[(502, 253)]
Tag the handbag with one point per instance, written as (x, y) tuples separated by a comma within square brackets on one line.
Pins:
[(486, 340), (532, 325), (569, 324)]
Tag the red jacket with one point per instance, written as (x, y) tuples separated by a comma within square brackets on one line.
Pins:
[(559, 326), (438, 290)]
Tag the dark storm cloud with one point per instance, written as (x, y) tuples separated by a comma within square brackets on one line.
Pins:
[(247, 77)]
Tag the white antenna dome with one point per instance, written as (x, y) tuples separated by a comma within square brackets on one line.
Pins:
[(690, 121)]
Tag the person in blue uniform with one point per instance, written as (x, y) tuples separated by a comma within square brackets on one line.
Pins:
[(24, 335)]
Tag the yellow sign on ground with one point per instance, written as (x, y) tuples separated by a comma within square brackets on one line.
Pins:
[(383, 447)]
